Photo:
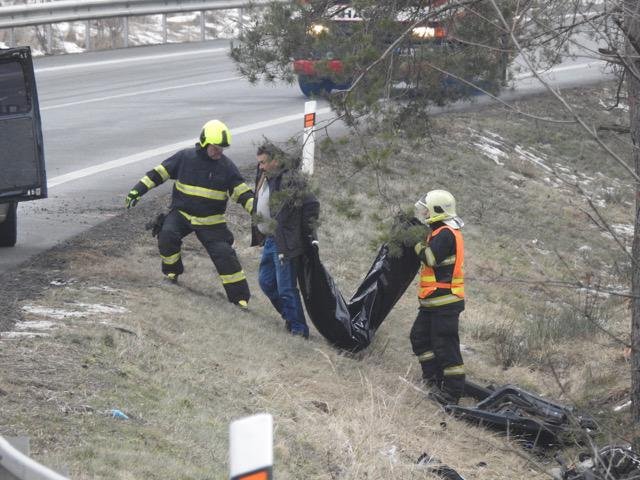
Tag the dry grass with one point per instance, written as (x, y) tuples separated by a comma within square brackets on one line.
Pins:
[(182, 362)]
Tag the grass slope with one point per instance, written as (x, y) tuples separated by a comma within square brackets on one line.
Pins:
[(183, 363)]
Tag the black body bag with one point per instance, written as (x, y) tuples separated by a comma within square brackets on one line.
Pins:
[(352, 325)]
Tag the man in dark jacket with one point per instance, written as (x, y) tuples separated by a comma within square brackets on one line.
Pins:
[(285, 218), (204, 179)]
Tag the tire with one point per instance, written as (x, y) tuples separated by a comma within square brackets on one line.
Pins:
[(314, 87), (9, 228)]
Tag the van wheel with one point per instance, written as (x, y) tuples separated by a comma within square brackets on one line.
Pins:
[(9, 228)]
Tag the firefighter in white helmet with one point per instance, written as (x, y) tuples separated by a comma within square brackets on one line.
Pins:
[(434, 336)]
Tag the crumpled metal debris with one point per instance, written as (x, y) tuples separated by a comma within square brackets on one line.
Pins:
[(613, 462), (435, 466), (537, 420)]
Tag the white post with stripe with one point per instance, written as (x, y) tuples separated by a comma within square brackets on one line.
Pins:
[(251, 448), (308, 137)]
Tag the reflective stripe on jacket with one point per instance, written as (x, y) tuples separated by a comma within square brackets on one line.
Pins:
[(429, 275), (203, 185)]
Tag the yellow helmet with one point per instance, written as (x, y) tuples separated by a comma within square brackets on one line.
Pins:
[(214, 132), (438, 206)]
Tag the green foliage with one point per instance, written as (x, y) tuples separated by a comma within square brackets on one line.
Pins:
[(382, 56)]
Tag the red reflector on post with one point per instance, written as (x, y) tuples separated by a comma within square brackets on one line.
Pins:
[(263, 475), (309, 120)]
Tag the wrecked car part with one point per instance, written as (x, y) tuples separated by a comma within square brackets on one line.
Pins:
[(613, 462), (524, 414), (435, 466)]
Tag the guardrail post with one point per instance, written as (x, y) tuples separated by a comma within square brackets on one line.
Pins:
[(87, 35), (125, 32), (240, 21), (202, 29), (49, 34), (164, 28)]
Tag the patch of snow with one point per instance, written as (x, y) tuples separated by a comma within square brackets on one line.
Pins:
[(183, 18), (492, 152), (35, 325), (17, 335), (104, 288), (624, 229), (57, 313), (71, 47), (620, 106), (624, 406), (143, 38), (83, 310), (4, 45), (533, 158), (98, 308)]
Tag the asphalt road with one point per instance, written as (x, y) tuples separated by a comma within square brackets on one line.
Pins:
[(108, 117), (128, 110)]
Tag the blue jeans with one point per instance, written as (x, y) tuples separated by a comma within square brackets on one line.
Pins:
[(279, 283)]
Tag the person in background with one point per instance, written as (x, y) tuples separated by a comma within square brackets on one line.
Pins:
[(284, 222), (434, 336), (205, 178)]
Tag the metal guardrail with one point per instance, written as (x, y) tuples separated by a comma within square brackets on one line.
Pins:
[(71, 11), (19, 466)]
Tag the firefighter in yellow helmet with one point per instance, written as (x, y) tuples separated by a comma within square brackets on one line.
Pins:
[(205, 178), (434, 336)]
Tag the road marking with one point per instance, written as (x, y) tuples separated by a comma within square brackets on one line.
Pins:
[(143, 58), (166, 149), (141, 92)]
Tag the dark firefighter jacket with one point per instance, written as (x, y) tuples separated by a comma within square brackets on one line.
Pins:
[(295, 209), (202, 185)]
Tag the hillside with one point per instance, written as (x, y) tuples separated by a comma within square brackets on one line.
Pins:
[(181, 362)]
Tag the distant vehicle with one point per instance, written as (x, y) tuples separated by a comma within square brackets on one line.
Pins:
[(320, 65), (22, 169)]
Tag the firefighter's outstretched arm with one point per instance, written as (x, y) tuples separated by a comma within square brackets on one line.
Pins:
[(241, 193), (152, 179)]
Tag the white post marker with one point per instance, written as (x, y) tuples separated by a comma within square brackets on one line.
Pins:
[(308, 138), (251, 448)]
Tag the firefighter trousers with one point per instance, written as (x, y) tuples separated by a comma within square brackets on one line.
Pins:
[(435, 341), (216, 239)]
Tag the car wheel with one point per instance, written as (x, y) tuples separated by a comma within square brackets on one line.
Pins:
[(9, 228)]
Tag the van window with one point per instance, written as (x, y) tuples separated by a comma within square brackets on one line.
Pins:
[(13, 90)]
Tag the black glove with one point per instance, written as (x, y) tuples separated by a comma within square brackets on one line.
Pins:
[(156, 224), (132, 198)]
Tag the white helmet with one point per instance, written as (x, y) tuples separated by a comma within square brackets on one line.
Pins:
[(438, 206)]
